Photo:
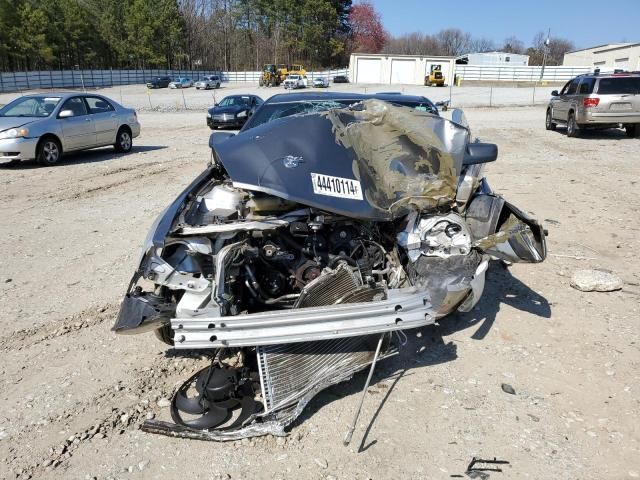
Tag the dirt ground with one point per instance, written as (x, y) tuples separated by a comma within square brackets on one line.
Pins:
[(73, 394)]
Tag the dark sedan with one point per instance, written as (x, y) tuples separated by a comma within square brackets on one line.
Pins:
[(159, 82), (232, 111)]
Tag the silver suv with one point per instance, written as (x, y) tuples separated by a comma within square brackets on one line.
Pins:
[(597, 101)]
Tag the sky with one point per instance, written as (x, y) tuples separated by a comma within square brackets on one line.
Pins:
[(586, 23)]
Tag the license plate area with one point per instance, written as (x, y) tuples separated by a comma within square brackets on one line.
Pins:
[(620, 106)]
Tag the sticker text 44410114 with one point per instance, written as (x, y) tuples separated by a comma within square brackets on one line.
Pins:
[(336, 186)]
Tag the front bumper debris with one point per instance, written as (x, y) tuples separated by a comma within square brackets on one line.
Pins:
[(403, 309)]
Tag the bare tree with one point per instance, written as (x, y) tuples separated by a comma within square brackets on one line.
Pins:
[(454, 41), (513, 45), (555, 50), (479, 45), (415, 43)]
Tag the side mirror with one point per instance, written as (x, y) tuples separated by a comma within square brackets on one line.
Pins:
[(555, 93), (218, 137), (65, 114), (480, 153), (216, 104)]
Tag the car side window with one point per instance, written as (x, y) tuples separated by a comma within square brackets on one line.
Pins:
[(98, 105), (573, 87), (76, 105), (586, 86)]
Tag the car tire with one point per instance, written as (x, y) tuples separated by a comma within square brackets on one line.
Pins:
[(549, 124), (573, 130), (48, 151), (165, 334), (124, 140), (632, 130)]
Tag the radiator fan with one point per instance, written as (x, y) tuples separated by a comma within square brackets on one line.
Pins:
[(211, 396)]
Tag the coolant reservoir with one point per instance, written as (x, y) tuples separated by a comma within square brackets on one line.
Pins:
[(222, 201)]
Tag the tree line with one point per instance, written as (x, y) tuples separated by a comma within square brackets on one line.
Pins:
[(230, 35), (173, 34), (455, 42)]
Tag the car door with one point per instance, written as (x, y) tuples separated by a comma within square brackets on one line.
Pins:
[(104, 119), (565, 99), (78, 130)]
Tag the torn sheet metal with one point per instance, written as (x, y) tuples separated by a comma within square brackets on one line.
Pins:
[(517, 237)]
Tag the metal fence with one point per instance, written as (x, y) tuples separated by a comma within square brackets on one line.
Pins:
[(36, 80), (518, 73)]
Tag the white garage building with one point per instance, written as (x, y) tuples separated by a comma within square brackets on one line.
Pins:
[(397, 69), (625, 56)]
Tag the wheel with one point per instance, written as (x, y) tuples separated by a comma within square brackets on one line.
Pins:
[(549, 125), (123, 140), (632, 130), (48, 151), (572, 127), (260, 82), (165, 334)]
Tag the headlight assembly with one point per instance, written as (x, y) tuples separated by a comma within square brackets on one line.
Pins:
[(14, 133), (242, 114)]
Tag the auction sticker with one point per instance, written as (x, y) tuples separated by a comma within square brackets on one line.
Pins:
[(336, 186)]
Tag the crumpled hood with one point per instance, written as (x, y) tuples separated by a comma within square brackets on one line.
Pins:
[(373, 161), (7, 123)]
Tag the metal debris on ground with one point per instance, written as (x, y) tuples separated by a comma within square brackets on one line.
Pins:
[(506, 388)]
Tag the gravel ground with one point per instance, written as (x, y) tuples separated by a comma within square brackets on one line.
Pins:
[(73, 394), (165, 99)]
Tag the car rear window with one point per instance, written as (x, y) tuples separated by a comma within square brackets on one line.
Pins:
[(619, 85)]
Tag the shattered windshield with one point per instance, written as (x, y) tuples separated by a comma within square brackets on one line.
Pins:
[(274, 111)]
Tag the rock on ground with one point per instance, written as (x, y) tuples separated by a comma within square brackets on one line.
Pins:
[(595, 281)]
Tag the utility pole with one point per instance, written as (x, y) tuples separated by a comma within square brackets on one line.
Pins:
[(545, 49)]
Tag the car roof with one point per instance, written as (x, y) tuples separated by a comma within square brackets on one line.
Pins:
[(312, 95), (316, 96), (608, 75), (242, 95), (63, 95)]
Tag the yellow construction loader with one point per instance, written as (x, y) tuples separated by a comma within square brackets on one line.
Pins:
[(435, 77), (270, 76), (273, 75)]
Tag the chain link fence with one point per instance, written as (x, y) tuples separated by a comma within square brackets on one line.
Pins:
[(55, 79)]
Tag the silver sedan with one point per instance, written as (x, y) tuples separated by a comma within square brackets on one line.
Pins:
[(43, 126)]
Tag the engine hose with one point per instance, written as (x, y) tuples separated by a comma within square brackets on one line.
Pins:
[(333, 261), (257, 292), (291, 242), (271, 301)]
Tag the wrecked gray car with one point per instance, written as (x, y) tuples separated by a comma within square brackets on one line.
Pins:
[(307, 242)]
